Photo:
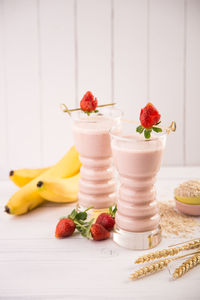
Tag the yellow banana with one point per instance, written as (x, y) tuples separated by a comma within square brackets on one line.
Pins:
[(59, 190), (23, 176), (28, 197)]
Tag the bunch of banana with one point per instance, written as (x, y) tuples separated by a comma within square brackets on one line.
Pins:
[(23, 176), (58, 183)]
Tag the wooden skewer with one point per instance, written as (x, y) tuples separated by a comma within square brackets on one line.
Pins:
[(64, 108), (172, 126)]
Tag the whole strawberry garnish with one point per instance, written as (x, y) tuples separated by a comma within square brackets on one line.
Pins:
[(64, 228), (88, 103), (149, 117), (99, 233)]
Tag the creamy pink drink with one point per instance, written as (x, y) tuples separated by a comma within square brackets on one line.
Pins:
[(137, 161), (97, 185)]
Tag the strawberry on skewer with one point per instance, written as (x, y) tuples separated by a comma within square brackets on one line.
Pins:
[(149, 116), (89, 103), (149, 119)]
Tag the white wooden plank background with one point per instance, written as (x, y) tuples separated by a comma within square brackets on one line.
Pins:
[(131, 51), (166, 64), (94, 48), (57, 71), (21, 82), (192, 82), (130, 55), (3, 106)]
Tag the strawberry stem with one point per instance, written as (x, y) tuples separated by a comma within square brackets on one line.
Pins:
[(89, 208)]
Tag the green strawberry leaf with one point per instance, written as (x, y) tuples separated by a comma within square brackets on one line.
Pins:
[(157, 129), (88, 233), (84, 227), (73, 214), (81, 215), (147, 133), (140, 129), (81, 224), (90, 112), (112, 211)]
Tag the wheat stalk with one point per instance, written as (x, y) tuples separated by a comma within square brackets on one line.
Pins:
[(186, 266), (152, 268), (168, 252), (160, 265)]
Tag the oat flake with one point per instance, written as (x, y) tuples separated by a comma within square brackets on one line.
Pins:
[(173, 222)]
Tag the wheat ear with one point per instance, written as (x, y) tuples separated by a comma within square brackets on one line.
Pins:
[(187, 266), (157, 266), (168, 252), (152, 268)]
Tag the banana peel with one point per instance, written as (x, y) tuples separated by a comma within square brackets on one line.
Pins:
[(23, 176), (27, 198), (59, 190)]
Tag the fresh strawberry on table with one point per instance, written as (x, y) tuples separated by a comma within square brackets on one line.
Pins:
[(78, 221), (89, 103), (107, 220), (65, 228), (99, 233), (149, 119), (75, 220)]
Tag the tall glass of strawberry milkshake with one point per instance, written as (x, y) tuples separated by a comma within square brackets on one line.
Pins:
[(137, 161), (97, 186)]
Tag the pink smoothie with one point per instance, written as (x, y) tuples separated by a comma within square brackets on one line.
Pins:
[(137, 162), (92, 140)]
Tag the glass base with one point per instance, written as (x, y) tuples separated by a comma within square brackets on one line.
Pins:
[(137, 240)]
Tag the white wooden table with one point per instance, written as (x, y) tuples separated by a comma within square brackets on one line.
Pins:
[(35, 265)]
